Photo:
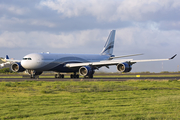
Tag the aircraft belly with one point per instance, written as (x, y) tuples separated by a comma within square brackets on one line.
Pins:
[(62, 68), (47, 67), (57, 67)]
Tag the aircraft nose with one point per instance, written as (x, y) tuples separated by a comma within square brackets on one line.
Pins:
[(32, 61), (24, 64), (30, 64)]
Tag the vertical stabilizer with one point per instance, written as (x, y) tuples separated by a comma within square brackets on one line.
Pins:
[(108, 48), (7, 57)]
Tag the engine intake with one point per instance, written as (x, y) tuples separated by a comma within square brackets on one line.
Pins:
[(124, 67), (17, 67), (86, 71)]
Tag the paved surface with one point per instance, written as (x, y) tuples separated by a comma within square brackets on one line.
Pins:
[(94, 79)]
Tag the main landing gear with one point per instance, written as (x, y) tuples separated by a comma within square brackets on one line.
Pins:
[(74, 75), (90, 76), (71, 76)]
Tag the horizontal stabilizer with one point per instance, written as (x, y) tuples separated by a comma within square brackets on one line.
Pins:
[(124, 56)]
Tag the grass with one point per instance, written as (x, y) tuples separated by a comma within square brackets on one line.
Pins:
[(136, 100)]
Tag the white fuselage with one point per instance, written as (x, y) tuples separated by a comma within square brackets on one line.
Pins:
[(56, 62)]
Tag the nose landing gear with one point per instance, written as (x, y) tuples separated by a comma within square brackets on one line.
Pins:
[(59, 75), (33, 73)]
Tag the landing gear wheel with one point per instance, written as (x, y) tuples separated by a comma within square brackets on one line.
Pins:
[(90, 76), (34, 74), (62, 76), (74, 76), (77, 76), (32, 77), (56, 76)]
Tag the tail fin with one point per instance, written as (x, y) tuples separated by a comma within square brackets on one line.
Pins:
[(7, 57), (108, 48)]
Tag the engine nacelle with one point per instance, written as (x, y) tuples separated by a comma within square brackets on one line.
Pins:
[(124, 67), (17, 67), (86, 71)]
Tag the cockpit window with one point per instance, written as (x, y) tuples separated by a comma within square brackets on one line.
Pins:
[(27, 59)]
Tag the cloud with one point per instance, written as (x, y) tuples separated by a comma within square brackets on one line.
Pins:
[(41, 23), (125, 10), (127, 39), (13, 9), (4, 20), (141, 38), (43, 39), (100, 9), (25, 24), (169, 25)]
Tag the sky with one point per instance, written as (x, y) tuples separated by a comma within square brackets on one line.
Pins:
[(151, 27)]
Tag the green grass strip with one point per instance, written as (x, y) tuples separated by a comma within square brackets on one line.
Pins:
[(134, 100)]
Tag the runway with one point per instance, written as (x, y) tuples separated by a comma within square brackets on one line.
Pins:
[(85, 79)]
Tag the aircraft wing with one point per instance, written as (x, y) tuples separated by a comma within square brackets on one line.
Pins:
[(4, 64), (101, 63), (13, 60), (113, 62)]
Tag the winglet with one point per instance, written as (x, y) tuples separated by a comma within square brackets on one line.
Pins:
[(173, 57)]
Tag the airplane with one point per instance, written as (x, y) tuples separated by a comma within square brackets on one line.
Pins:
[(4, 62), (84, 64)]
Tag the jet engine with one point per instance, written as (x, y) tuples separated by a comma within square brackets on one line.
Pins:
[(86, 71), (124, 67), (17, 67)]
